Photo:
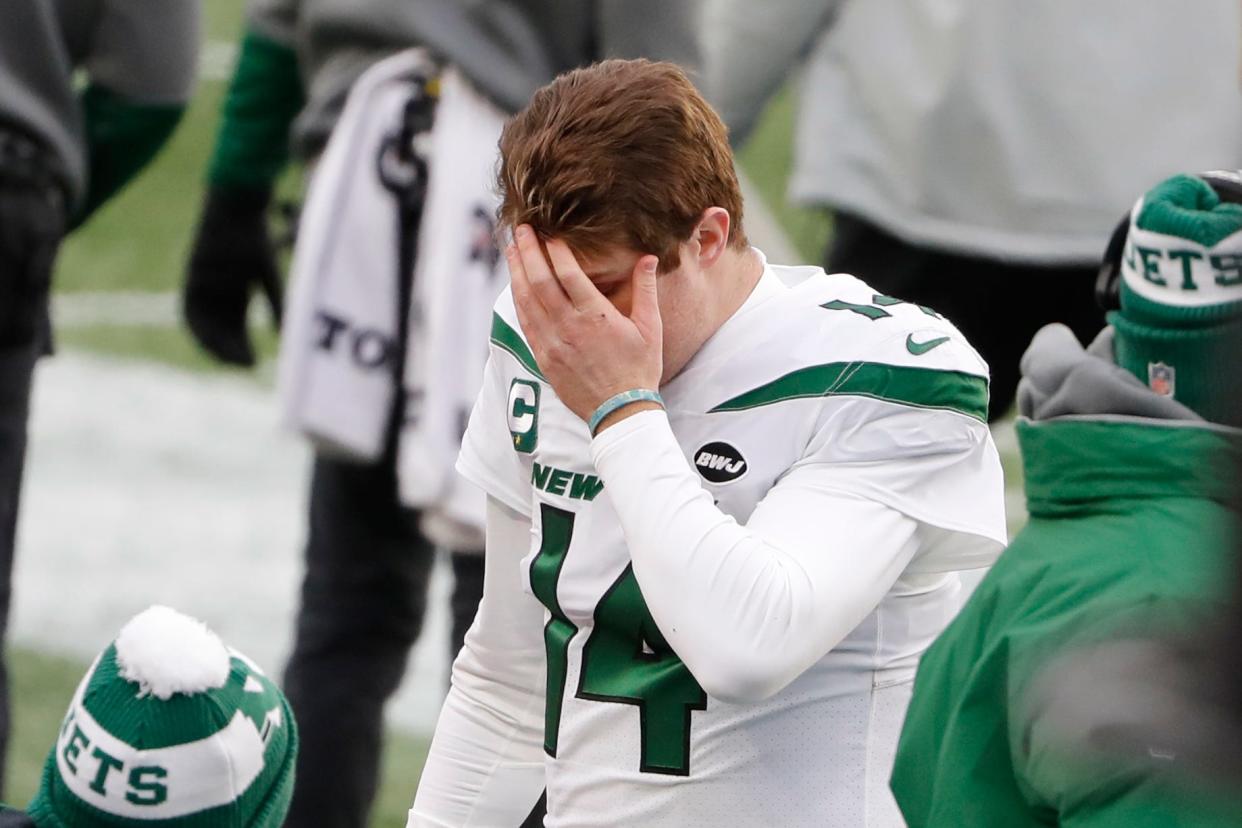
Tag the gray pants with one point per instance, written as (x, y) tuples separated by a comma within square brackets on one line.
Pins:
[(363, 600), (32, 222)]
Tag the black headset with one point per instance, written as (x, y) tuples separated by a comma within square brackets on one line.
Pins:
[(1226, 183)]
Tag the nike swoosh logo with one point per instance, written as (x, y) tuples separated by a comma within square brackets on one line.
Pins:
[(920, 348)]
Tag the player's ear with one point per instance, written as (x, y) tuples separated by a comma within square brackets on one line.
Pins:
[(712, 235)]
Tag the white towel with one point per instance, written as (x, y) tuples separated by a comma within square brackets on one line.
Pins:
[(458, 276), (335, 377), (336, 383)]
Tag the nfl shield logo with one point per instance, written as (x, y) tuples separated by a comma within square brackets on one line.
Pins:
[(1161, 378)]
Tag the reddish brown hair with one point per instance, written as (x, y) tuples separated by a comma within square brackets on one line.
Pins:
[(623, 153)]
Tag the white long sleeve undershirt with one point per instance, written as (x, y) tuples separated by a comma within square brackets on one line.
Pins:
[(747, 608), (485, 767)]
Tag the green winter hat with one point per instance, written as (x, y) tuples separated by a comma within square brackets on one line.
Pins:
[(170, 729), (1181, 296)]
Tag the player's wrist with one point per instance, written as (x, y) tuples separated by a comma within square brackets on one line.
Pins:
[(620, 406), (625, 412)]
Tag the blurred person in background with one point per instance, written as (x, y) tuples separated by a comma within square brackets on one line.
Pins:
[(89, 92), (169, 727), (971, 146), (367, 561), (1130, 449)]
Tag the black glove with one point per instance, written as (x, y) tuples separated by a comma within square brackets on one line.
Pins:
[(232, 255)]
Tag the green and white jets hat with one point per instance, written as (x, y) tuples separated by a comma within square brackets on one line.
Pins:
[(1181, 295), (169, 727)]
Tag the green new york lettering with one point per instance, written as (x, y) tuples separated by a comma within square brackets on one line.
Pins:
[(558, 481), (585, 487), (574, 485)]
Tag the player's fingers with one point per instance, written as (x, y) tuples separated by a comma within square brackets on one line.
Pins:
[(531, 315), (645, 305), (543, 283), (580, 290)]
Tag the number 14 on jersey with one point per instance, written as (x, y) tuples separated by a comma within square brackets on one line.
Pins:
[(625, 659)]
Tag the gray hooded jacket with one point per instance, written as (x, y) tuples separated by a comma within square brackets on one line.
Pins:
[(143, 50), (508, 48), (1061, 379)]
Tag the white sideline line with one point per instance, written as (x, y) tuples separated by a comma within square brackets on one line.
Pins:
[(129, 309), (140, 309), (216, 60)]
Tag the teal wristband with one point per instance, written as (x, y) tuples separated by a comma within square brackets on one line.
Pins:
[(617, 401)]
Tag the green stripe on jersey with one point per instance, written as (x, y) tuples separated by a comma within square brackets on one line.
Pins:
[(505, 337), (919, 387)]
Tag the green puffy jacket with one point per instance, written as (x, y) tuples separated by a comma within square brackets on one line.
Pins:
[(1129, 526), (1129, 532)]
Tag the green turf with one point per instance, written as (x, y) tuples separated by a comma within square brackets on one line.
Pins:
[(42, 686), (403, 764), (222, 19), (767, 158)]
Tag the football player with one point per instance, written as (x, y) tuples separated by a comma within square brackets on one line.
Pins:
[(728, 500)]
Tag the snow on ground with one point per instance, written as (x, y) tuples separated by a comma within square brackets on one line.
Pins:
[(146, 484)]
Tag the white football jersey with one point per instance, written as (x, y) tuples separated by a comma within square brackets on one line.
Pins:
[(885, 397)]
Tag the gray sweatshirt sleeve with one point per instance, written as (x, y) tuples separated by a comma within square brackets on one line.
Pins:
[(655, 29), (750, 48), (146, 50), (276, 20)]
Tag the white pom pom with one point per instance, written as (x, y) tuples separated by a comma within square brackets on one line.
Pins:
[(166, 652)]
